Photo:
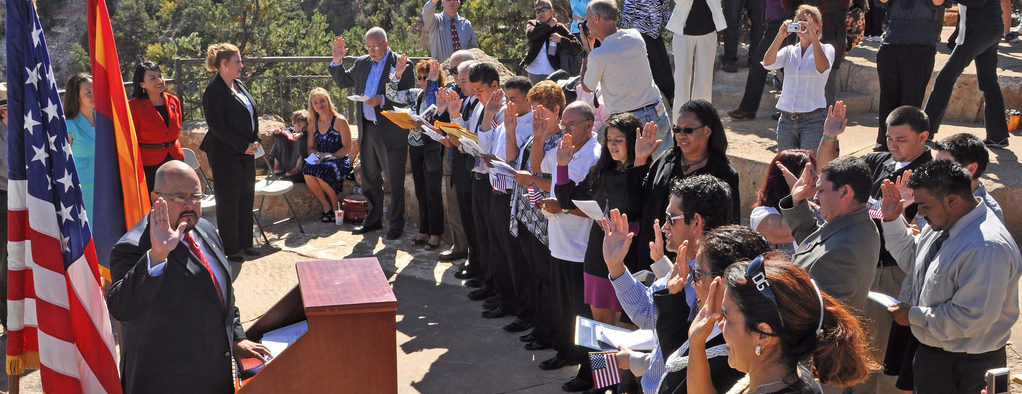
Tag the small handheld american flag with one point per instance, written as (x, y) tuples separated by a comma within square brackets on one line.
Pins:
[(605, 372), (534, 195)]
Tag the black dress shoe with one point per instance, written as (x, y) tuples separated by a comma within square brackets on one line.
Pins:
[(577, 384), (517, 326), (739, 114), (480, 294), (494, 313), (464, 274), (450, 255), (237, 258), (365, 229), (530, 337), (555, 362), (474, 283), (251, 251), (729, 68), (394, 233), (537, 346), (491, 302)]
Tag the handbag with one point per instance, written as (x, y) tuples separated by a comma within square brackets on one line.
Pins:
[(355, 210), (856, 25)]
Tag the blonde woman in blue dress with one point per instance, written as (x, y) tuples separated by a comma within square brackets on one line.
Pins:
[(80, 115)]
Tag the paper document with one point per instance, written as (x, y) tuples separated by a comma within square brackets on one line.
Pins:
[(455, 130), (278, 340), (429, 131), (590, 208), (358, 98), (500, 167), (259, 152), (662, 267), (470, 147), (601, 336), (883, 299), (402, 119), (646, 277), (312, 159)]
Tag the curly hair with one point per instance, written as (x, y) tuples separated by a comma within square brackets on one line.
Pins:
[(548, 94)]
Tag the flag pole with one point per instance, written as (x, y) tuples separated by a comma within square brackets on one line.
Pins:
[(13, 384)]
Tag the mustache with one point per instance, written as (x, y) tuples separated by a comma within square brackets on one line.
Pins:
[(182, 214)]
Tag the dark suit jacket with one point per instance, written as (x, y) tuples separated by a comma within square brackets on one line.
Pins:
[(177, 336), (841, 255), (355, 78), (229, 122)]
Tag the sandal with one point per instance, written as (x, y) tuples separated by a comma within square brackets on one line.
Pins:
[(327, 217), (431, 246), (420, 241)]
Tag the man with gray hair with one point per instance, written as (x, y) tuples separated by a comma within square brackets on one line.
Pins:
[(383, 146), (448, 32), (621, 69), (453, 214)]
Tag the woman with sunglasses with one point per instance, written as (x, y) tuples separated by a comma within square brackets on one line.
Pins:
[(549, 43), (700, 148), (780, 329), (425, 154), (614, 183), (718, 249)]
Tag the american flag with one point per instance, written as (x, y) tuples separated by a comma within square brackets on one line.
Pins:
[(57, 317), (501, 183), (605, 372), (534, 195), (875, 211)]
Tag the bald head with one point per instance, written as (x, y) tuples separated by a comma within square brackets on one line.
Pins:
[(582, 109), (176, 183), (173, 172)]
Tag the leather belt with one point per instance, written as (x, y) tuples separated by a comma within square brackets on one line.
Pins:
[(655, 103), (800, 115), (479, 176), (163, 145)]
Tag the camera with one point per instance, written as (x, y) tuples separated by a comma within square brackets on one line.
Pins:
[(796, 27), (997, 381), (584, 26)]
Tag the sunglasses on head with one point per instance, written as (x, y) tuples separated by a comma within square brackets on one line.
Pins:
[(686, 130), (756, 274), (453, 70), (542, 9)]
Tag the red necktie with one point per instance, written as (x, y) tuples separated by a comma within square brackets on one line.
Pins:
[(454, 36), (194, 247)]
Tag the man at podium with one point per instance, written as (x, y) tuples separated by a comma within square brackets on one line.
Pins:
[(172, 293)]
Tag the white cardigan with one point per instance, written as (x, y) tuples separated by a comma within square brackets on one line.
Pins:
[(680, 14)]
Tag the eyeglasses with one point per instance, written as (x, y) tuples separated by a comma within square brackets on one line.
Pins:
[(698, 275), (570, 126), (671, 219), (542, 9), (756, 273), (375, 47), (421, 77), (453, 71), (686, 130), (183, 199)]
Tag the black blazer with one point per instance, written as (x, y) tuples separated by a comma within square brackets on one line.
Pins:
[(177, 336), (355, 78), (229, 122)]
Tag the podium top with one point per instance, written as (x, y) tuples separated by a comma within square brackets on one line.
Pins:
[(344, 284)]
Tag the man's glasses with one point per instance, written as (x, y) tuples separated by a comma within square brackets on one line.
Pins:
[(686, 130), (671, 219), (542, 9), (698, 275), (756, 273), (183, 198), (374, 47)]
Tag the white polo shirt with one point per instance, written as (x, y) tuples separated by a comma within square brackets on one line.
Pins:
[(569, 234)]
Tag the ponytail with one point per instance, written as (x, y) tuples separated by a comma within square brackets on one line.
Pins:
[(842, 356)]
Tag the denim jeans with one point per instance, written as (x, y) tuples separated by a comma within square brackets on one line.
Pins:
[(981, 46), (804, 133), (658, 115)]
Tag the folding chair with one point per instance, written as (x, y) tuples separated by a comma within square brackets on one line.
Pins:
[(272, 186), (193, 161)]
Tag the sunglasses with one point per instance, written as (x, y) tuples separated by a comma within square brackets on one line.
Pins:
[(698, 275), (671, 219), (421, 77), (756, 273), (542, 9), (453, 70), (686, 130)]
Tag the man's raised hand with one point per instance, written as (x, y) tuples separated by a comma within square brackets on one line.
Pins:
[(836, 120), (891, 204), (679, 273), (656, 246), (564, 148), (162, 235), (402, 64), (616, 240), (805, 185), (340, 50)]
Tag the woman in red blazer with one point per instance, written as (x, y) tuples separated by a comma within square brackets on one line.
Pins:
[(157, 118)]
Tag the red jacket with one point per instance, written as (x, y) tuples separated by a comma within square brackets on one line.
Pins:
[(150, 129)]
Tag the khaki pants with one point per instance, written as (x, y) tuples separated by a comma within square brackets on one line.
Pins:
[(452, 215)]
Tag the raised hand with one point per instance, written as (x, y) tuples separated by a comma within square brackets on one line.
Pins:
[(564, 150), (656, 246), (441, 100), (402, 64), (340, 50), (805, 186), (163, 235), (783, 31), (434, 70), (616, 240), (493, 104), (540, 117), (907, 197), (645, 143), (836, 120), (453, 103), (679, 273), (708, 315), (891, 204)]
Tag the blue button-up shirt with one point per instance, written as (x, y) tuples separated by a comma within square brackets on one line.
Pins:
[(372, 84)]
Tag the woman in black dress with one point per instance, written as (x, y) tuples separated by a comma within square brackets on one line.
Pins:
[(232, 117)]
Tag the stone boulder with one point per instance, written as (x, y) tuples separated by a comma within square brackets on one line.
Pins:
[(505, 73)]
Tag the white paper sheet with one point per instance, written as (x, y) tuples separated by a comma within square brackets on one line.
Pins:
[(883, 299), (312, 159), (500, 167), (590, 208), (635, 340), (358, 98), (278, 340), (470, 147), (431, 133), (662, 268)]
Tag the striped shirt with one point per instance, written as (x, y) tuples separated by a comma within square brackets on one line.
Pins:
[(646, 16)]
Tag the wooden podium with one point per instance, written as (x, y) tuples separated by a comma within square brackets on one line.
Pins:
[(351, 345)]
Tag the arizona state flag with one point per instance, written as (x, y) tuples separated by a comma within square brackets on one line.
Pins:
[(120, 188)]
